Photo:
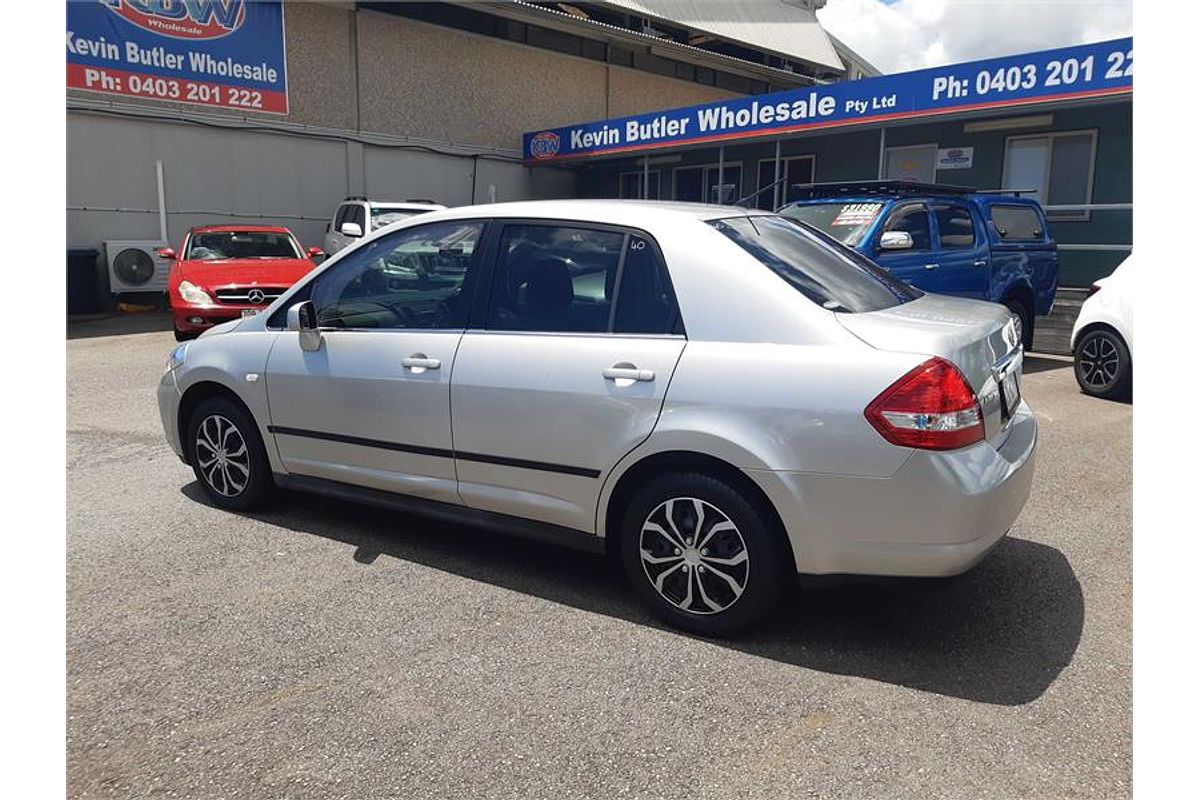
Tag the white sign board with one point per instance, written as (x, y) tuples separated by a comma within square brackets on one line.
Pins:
[(955, 157)]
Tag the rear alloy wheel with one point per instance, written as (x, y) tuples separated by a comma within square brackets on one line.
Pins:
[(700, 555), (227, 455), (1103, 367)]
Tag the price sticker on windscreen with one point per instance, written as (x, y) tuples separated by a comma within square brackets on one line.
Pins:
[(857, 214)]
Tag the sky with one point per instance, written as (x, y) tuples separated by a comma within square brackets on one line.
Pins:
[(900, 35)]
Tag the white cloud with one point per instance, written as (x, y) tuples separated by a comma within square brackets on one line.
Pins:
[(913, 34)]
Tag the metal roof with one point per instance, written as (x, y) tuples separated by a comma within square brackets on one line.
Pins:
[(788, 29)]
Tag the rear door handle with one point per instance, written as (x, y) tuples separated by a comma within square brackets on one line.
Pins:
[(628, 374), (981, 262), (932, 266), (418, 363)]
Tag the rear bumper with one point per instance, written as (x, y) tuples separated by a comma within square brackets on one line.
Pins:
[(939, 514)]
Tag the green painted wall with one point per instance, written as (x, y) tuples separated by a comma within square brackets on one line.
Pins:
[(854, 155)]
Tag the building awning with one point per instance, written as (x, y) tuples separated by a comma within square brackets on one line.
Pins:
[(787, 30), (1070, 74)]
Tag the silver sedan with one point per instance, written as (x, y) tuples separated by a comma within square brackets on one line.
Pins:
[(719, 397)]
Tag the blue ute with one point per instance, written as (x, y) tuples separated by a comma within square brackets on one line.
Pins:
[(945, 239)]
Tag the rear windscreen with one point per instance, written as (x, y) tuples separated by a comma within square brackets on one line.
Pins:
[(828, 273), (846, 222)]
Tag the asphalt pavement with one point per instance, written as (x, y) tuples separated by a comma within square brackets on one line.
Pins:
[(328, 650)]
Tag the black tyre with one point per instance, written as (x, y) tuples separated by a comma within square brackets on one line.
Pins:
[(701, 555), (1024, 316), (1103, 367), (227, 454)]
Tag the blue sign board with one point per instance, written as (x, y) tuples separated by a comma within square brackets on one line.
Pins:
[(1093, 70), (226, 53)]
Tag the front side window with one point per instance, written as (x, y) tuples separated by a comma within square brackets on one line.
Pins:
[(559, 278), (225, 245), (823, 270), (415, 278), (913, 220)]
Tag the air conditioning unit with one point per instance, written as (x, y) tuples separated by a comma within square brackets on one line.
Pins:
[(135, 266)]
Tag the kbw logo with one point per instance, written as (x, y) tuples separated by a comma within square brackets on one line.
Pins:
[(182, 19), (544, 145)]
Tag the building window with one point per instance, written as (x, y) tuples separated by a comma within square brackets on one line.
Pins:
[(1058, 168), (913, 163), (793, 171), (709, 183), (631, 186)]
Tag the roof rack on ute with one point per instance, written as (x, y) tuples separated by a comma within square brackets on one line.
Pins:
[(421, 200), (354, 197), (1013, 192), (894, 188)]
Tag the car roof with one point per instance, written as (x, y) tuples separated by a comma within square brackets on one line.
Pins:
[(402, 204), (240, 229), (631, 213)]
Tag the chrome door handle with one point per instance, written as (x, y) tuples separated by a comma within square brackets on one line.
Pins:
[(419, 363), (628, 374), (932, 266), (981, 262)]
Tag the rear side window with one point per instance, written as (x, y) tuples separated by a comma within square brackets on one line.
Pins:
[(1017, 223), (560, 278), (955, 228), (830, 274)]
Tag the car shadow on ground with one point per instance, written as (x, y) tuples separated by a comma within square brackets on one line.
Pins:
[(1041, 363), (999, 634)]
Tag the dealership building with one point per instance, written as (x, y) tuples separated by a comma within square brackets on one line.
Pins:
[(180, 114)]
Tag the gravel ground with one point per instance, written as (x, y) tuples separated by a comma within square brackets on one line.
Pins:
[(324, 650)]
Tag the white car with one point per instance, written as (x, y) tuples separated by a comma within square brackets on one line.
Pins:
[(357, 217), (1102, 339)]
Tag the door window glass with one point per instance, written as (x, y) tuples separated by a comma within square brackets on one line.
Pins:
[(955, 228), (913, 220), (415, 278), (554, 278), (645, 302)]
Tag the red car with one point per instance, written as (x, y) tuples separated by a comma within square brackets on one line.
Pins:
[(223, 272)]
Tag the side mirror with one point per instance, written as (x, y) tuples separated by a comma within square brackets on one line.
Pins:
[(302, 318), (351, 229), (895, 240), (166, 252), (315, 252)]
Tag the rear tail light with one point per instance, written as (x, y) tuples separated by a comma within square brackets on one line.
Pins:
[(1095, 287), (931, 408)]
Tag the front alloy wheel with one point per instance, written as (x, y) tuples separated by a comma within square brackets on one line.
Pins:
[(222, 456), (227, 454)]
